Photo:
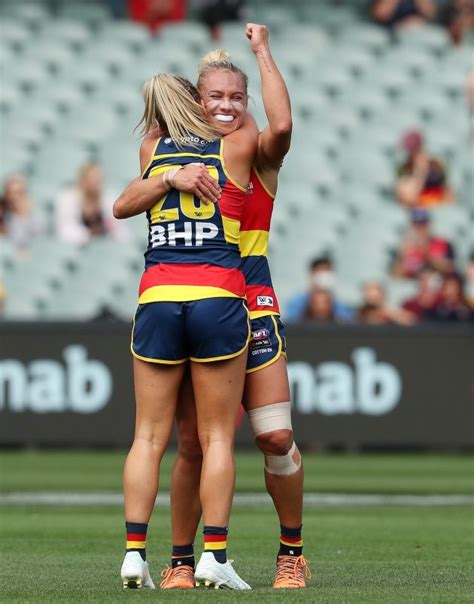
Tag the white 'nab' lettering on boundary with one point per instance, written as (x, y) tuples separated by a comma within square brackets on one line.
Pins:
[(331, 388)]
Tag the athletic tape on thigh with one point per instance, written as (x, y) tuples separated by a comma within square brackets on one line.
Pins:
[(283, 465), (270, 418)]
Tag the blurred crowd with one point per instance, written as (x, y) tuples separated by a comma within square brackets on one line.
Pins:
[(82, 211), (443, 295), (457, 15), (421, 182)]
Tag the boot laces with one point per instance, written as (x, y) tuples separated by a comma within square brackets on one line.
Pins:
[(180, 572), (293, 568)]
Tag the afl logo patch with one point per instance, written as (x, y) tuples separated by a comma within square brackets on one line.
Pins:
[(249, 188), (264, 301), (168, 141), (260, 337)]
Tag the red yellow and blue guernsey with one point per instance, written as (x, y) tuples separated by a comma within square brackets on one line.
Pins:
[(267, 342), (193, 248), (254, 234), (192, 293)]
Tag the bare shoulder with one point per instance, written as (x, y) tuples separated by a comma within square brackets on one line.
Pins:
[(146, 149)]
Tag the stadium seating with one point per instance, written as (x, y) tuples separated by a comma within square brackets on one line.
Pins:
[(71, 92)]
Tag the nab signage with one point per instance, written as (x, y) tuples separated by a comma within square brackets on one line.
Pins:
[(77, 384), (364, 386), (72, 384)]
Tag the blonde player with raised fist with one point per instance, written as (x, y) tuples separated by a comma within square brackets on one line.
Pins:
[(266, 395)]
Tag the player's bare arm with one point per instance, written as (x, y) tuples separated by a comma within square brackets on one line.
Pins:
[(140, 195), (274, 141)]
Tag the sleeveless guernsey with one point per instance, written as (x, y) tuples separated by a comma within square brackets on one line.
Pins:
[(193, 248), (254, 233)]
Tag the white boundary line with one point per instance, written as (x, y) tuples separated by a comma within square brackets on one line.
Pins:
[(240, 499)]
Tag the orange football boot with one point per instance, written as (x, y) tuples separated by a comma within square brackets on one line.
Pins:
[(181, 577), (292, 572)]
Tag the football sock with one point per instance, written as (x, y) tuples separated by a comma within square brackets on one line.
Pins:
[(183, 555), (291, 542), (215, 541), (136, 538)]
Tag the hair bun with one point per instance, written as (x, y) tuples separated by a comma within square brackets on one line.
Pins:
[(214, 56)]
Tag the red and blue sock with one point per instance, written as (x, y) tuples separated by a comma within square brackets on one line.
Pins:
[(136, 538), (215, 541), (291, 541)]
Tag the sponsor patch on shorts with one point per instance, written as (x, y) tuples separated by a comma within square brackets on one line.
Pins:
[(264, 301), (260, 337)]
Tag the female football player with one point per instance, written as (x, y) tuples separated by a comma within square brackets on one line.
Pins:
[(191, 312), (266, 395)]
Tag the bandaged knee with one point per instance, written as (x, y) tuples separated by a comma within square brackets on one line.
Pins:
[(284, 465), (271, 418)]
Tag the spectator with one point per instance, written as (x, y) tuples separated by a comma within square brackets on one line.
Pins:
[(458, 18), (426, 298), (320, 306), (374, 309), (421, 249), (469, 283), (321, 276), (155, 13), (403, 13), (85, 211), (215, 12), (421, 178), (19, 223), (451, 306)]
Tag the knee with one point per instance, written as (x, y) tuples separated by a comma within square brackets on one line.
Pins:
[(276, 443), (190, 451)]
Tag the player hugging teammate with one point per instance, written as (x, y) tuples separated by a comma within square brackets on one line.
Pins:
[(222, 89)]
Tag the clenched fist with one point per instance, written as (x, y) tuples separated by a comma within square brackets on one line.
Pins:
[(258, 36)]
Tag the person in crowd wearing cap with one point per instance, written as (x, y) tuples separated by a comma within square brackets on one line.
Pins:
[(321, 278), (421, 249), (422, 179)]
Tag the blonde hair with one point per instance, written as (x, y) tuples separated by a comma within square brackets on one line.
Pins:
[(215, 60), (172, 104)]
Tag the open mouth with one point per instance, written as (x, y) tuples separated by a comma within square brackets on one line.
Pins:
[(220, 117)]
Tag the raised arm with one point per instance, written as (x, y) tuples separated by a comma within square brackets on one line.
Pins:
[(140, 195), (274, 140)]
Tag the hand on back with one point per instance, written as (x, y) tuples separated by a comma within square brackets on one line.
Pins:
[(194, 178)]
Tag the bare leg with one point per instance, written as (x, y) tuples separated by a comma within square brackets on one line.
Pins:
[(265, 387), (218, 389), (185, 502), (156, 392)]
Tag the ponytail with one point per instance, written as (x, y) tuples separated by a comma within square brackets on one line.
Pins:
[(172, 104)]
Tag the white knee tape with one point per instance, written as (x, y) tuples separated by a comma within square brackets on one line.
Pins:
[(283, 465), (270, 418)]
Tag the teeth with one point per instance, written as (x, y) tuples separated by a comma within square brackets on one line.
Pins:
[(224, 118)]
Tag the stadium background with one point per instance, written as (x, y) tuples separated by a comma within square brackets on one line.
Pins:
[(71, 76)]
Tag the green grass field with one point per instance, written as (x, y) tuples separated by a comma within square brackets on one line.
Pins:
[(358, 554)]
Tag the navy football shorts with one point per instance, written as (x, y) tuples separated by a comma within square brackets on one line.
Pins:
[(267, 342), (213, 329)]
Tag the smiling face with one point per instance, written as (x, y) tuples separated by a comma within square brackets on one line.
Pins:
[(224, 100)]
